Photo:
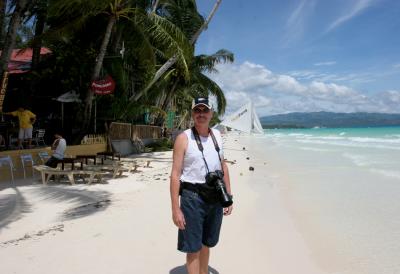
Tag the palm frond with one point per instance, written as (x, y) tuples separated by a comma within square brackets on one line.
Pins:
[(208, 62), (210, 87)]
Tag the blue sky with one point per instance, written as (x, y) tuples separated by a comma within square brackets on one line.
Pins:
[(307, 55)]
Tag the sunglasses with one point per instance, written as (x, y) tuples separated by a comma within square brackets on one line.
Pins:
[(201, 110)]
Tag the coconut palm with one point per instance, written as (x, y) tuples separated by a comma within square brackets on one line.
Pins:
[(200, 84), (171, 61), (154, 28), (39, 10), (3, 5), (9, 41)]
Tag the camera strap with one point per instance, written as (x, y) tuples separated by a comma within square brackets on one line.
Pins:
[(200, 145)]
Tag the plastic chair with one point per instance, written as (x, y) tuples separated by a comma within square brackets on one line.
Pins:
[(39, 137), (44, 156), (7, 161), (27, 158)]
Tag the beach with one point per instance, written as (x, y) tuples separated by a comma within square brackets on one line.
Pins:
[(125, 226), (286, 218)]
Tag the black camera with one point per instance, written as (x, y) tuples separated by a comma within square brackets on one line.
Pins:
[(215, 179)]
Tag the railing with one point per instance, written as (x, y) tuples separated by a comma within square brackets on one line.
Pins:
[(127, 131), (94, 139)]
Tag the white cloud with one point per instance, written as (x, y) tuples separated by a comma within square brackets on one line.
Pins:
[(357, 8), (328, 63), (315, 75), (297, 14), (296, 22), (396, 66), (280, 93)]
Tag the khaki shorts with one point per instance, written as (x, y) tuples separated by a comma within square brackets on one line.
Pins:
[(25, 133)]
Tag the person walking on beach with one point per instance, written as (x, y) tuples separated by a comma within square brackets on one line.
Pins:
[(26, 120), (197, 214), (59, 146)]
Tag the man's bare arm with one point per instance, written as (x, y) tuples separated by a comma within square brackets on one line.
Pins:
[(179, 152), (227, 210)]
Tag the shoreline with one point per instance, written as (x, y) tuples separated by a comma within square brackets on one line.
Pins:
[(131, 231)]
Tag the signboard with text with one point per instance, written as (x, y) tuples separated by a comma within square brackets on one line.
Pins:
[(103, 86)]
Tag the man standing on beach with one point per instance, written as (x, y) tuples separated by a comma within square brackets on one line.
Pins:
[(199, 221), (26, 119)]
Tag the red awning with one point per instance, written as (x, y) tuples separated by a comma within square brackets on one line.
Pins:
[(21, 60)]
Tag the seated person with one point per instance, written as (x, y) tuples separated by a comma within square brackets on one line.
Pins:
[(59, 146)]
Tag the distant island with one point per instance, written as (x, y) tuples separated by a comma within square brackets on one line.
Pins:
[(330, 120)]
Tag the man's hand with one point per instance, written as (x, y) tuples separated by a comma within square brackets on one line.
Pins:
[(179, 219), (228, 210)]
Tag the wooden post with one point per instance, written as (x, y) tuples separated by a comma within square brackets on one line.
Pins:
[(3, 89)]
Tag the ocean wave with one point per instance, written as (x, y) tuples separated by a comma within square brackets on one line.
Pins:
[(359, 160), (329, 137), (315, 149), (345, 143), (299, 135), (387, 173), (374, 140)]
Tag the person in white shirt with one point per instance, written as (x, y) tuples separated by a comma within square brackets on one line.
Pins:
[(59, 146)]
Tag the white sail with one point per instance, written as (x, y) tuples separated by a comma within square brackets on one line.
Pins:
[(256, 124), (245, 119)]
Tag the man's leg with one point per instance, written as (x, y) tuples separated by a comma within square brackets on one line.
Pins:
[(21, 136), (204, 259), (29, 136), (193, 263), (197, 263)]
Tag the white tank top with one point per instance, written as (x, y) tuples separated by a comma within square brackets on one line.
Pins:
[(194, 169)]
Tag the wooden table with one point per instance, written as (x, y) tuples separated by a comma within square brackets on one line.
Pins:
[(106, 154), (72, 161), (86, 157)]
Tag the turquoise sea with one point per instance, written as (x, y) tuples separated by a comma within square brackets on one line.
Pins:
[(376, 149), (343, 188)]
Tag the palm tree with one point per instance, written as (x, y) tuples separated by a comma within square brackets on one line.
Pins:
[(132, 13), (200, 84), (9, 42), (40, 10), (171, 61), (3, 5)]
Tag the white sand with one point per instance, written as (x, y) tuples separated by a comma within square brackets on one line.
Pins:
[(57, 229)]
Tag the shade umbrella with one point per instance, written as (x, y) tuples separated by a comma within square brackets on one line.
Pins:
[(68, 97)]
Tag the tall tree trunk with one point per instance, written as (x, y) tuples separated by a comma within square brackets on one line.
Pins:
[(9, 41), (3, 4), (166, 102), (39, 27), (155, 5), (96, 72), (116, 45), (174, 58)]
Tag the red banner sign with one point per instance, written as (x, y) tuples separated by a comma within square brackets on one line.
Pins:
[(104, 86)]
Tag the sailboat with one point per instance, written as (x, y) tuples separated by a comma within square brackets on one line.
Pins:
[(245, 119)]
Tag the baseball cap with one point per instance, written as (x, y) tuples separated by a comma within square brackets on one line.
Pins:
[(201, 101)]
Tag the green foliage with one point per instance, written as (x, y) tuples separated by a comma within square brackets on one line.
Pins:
[(164, 144), (74, 32)]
